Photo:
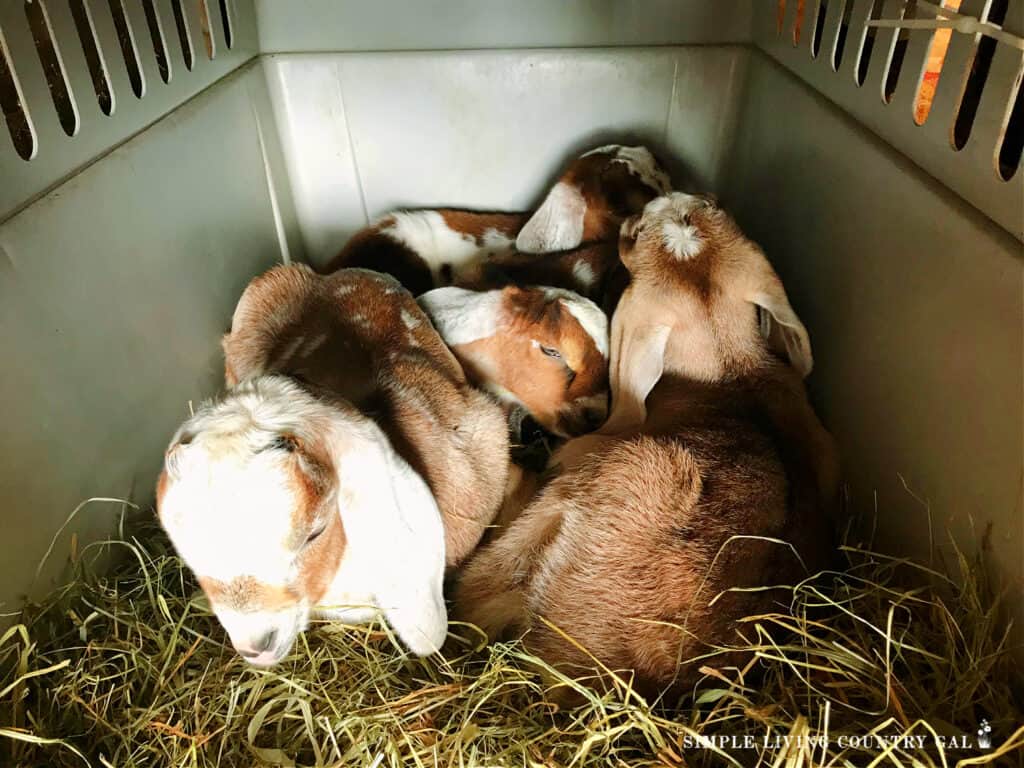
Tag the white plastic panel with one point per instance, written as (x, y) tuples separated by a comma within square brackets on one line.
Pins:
[(915, 304), (59, 155), (971, 172), (394, 25), (310, 114), (706, 94), (114, 291), (366, 133)]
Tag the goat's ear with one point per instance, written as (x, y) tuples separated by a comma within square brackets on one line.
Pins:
[(460, 315), (780, 326), (558, 224), (395, 536), (637, 363)]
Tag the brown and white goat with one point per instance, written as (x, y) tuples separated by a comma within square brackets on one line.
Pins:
[(542, 349), (431, 248), (350, 464), (706, 490)]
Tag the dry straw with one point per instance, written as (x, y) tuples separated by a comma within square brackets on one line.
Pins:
[(886, 663)]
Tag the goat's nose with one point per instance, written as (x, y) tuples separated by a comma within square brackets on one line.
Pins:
[(266, 642), (258, 646)]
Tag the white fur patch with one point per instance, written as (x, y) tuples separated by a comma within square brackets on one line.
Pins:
[(668, 215), (409, 319), (496, 241), (640, 162), (557, 225), (589, 315), (583, 273), (426, 233), (680, 239), (462, 316)]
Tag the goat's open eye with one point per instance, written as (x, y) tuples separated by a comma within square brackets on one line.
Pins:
[(316, 534), (550, 352)]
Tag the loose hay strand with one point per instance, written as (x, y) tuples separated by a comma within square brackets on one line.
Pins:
[(129, 668)]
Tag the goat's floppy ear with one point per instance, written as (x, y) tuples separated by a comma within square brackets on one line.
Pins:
[(637, 363), (780, 326), (395, 534), (558, 224)]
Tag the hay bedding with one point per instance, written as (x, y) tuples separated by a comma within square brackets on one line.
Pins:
[(879, 665)]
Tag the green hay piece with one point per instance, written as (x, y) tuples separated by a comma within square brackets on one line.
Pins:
[(130, 668)]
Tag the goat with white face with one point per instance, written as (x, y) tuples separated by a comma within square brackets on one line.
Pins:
[(543, 349), (431, 248), (350, 465), (662, 531)]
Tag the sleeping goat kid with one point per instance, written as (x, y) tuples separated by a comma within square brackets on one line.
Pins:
[(348, 467), (711, 459), (431, 248), (544, 350)]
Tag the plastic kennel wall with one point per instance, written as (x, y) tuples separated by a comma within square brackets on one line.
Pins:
[(159, 153)]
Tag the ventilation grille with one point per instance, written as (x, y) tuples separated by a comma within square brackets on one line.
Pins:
[(78, 77), (940, 81)]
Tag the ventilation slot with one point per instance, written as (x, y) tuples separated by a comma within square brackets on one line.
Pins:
[(868, 43), (819, 27), (225, 17), (93, 55), (844, 31), (798, 22), (204, 21), (53, 67), (897, 54), (933, 68), (12, 103), (156, 34), (975, 83), (128, 50), (1013, 137), (184, 39)]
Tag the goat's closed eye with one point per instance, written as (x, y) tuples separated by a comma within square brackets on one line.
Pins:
[(316, 534), (285, 443), (550, 351)]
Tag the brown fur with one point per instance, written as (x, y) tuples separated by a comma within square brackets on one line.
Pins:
[(476, 223), (247, 594), (359, 337), (311, 478), (558, 270), (611, 193), (370, 249), (514, 359), (632, 551)]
